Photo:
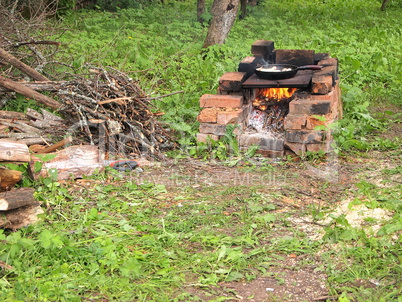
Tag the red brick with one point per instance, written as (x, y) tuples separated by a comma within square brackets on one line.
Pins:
[(306, 122), (208, 115), (230, 116), (321, 84), (297, 57), (326, 147), (307, 136), (248, 60), (212, 129), (299, 149), (221, 101), (310, 107), (202, 137), (320, 57), (265, 141), (329, 62), (270, 153), (329, 70), (232, 81), (262, 48)]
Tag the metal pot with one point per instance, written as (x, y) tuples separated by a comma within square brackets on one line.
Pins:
[(281, 71)]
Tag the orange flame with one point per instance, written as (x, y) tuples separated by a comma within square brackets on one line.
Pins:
[(277, 93)]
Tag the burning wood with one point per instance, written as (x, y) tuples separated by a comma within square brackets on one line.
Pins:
[(271, 106)]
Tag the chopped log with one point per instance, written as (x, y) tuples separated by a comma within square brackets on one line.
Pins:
[(57, 145), (22, 66), (17, 198), (28, 92), (8, 179), (74, 161), (14, 151), (12, 115), (20, 217)]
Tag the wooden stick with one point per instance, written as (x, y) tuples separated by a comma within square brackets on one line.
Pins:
[(28, 92), (42, 86), (18, 44), (57, 145), (12, 115), (22, 66), (17, 198)]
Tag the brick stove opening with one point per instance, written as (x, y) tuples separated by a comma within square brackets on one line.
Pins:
[(279, 116)]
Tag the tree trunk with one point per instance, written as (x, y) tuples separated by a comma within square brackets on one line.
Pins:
[(384, 3), (223, 16), (243, 8), (200, 10)]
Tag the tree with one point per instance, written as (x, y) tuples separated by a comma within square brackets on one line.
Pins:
[(200, 10), (224, 14)]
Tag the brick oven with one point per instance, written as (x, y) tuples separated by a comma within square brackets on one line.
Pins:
[(285, 116)]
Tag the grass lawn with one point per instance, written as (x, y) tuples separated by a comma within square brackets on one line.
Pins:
[(246, 229)]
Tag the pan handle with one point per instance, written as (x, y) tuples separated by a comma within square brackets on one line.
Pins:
[(313, 67)]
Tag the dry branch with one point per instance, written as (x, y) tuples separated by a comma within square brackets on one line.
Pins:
[(28, 92), (57, 145), (22, 66)]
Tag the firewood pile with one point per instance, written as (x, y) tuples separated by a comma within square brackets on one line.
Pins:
[(103, 107), (83, 120), (18, 207)]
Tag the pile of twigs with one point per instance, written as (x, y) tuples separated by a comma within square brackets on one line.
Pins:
[(114, 112)]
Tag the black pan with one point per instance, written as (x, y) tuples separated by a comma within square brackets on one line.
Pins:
[(281, 71)]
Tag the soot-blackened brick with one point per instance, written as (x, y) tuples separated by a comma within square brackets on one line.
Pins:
[(247, 65), (232, 81), (262, 48), (320, 56), (305, 137), (298, 57)]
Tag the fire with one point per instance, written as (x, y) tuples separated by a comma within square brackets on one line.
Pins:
[(277, 93)]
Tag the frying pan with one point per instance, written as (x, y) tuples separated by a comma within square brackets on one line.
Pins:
[(281, 71)]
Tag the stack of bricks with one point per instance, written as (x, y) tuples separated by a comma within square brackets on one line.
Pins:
[(310, 112), (307, 125), (227, 107)]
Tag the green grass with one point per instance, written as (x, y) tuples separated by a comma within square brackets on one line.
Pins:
[(112, 239)]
